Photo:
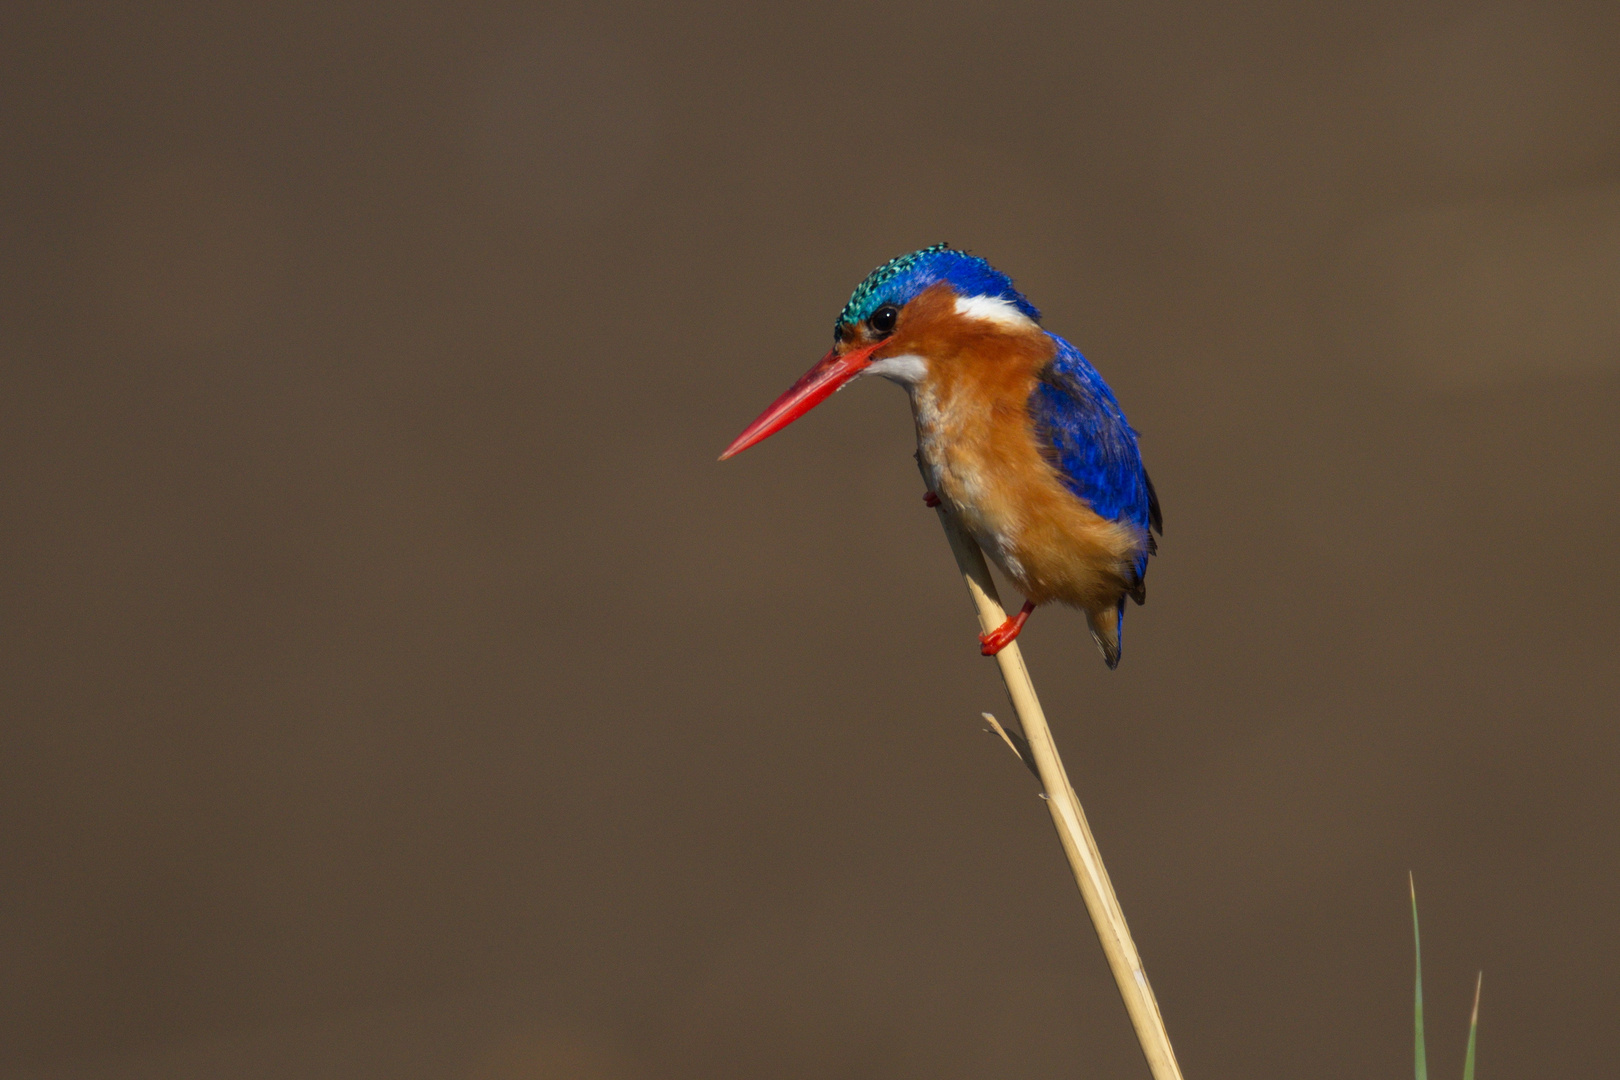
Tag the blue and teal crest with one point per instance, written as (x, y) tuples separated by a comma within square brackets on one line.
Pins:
[(900, 280)]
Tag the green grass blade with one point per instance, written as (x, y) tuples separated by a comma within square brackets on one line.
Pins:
[(1420, 1056), (1473, 1029)]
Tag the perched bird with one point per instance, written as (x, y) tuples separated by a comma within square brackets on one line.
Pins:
[(1019, 437)]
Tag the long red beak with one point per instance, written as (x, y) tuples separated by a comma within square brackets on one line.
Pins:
[(813, 387)]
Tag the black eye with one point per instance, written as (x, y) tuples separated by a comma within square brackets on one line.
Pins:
[(883, 319)]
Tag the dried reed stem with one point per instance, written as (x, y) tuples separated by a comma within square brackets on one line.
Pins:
[(1067, 816)]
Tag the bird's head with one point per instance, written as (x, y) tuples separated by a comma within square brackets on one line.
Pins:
[(909, 311)]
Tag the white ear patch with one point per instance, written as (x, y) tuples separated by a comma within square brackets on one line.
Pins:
[(995, 310), (905, 370)]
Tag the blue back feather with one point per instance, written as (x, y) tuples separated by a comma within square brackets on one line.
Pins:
[(1085, 434)]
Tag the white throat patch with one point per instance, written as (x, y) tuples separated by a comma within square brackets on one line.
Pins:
[(907, 370), (993, 309)]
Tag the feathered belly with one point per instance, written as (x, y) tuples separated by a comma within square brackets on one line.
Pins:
[(1047, 540)]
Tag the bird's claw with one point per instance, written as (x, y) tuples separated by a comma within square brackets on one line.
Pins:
[(1003, 635), (997, 639), (930, 499)]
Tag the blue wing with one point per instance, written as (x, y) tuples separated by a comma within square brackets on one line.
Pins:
[(1084, 434)]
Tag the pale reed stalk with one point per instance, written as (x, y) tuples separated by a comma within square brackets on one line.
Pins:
[(1067, 816)]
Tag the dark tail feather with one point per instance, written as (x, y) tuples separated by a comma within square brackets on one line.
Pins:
[(1107, 630), (1155, 515)]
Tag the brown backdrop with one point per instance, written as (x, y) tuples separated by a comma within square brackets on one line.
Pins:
[(395, 686)]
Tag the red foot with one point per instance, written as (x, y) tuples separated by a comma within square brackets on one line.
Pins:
[(1003, 635), (930, 499)]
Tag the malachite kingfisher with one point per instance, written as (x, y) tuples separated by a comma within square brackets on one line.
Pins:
[(1019, 436)]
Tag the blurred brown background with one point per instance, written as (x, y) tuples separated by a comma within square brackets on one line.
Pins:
[(395, 686)]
